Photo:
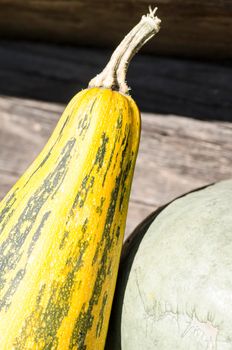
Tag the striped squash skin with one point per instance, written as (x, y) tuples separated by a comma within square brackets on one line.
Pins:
[(62, 227)]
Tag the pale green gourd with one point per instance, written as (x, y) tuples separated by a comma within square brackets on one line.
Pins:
[(175, 283)]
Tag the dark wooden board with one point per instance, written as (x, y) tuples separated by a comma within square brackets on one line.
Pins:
[(191, 28), (159, 84)]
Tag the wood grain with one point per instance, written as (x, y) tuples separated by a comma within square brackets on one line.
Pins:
[(190, 28), (177, 154)]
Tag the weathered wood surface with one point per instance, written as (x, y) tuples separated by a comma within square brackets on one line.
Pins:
[(159, 84), (192, 28), (177, 154), (186, 140)]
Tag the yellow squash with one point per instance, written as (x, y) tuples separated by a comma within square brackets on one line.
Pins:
[(62, 224)]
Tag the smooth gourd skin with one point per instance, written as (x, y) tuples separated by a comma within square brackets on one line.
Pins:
[(62, 227), (175, 284)]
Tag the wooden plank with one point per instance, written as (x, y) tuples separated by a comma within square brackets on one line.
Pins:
[(159, 84), (189, 28), (177, 154)]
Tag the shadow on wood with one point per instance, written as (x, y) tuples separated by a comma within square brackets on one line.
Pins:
[(159, 85)]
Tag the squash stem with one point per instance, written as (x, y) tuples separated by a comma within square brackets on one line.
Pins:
[(113, 75)]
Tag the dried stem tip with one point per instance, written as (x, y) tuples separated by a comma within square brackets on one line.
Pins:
[(113, 75)]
